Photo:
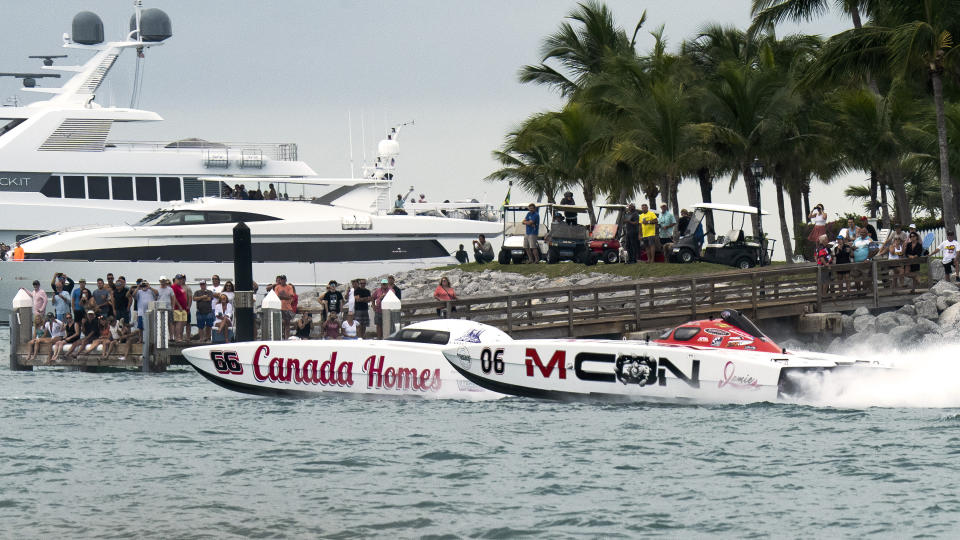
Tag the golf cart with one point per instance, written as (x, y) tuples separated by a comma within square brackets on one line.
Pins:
[(568, 242), (514, 230), (732, 249), (605, 237)]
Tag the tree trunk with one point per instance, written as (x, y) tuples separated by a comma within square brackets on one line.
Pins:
[(796, 212), (706, 194), (588, 199), (946, 186), (784, 230), (901, 201), (806, 197), (674, 196), (873, 193), (884, 206), (751, 184)]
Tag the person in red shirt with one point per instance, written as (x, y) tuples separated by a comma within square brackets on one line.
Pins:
[(378, 295), (444, 293), (286, 293), (179, 310)]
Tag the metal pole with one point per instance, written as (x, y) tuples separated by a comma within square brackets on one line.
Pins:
[(243, 273)]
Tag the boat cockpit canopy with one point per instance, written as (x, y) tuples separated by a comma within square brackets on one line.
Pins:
[(421, 335), (199, 217)]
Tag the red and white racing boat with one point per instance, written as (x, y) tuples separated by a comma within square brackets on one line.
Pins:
[(408, 363), (714, 361)]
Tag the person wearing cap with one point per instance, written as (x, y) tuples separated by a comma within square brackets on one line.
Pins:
[(189, 305), (871, 230), (76, 295), (204, 299), (843, 254), (668, 226), (530, 244), (950, 247), (378, 296), (570, 216), (631, 232), (180, 310), (361, 306), (142, 298), (286, 293), (60, 301), (332, 300)]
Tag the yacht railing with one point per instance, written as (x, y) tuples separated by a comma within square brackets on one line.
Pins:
[(274, 151)]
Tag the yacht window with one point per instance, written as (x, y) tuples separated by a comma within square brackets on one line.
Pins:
[(237, 217), (122, 188), (685, 333), (417, 335), (10, 124), (170, 189), (211, 188), (182, 217), (219, 217), (74, 188), (146, 188), (97, 187), (52, 187), (192, 189)]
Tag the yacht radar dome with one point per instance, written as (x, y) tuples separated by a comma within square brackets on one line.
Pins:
[(87, 28), (388, 148), (30, 79), (154, 25)]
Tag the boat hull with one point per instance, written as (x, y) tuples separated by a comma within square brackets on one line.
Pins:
[(631, 371), (362, 368)]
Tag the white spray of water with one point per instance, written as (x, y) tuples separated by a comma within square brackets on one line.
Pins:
[(921, 377)]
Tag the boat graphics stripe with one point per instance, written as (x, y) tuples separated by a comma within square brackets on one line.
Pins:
[(255, 389), (342, 250)]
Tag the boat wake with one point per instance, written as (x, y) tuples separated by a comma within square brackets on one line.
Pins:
[(921, 377)]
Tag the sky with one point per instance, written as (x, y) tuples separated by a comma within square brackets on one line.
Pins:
[(308, 72)]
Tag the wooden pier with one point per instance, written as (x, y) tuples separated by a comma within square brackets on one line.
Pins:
[(647, 304)]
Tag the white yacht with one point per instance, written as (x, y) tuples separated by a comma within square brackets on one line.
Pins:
[(61, 173)]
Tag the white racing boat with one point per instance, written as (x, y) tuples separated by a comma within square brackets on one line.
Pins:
[(674, 368), (409, 363)]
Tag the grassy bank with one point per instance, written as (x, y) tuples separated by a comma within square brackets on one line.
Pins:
[(635, 271)]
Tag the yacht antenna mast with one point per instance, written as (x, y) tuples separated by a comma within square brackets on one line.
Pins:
[(350, 138)]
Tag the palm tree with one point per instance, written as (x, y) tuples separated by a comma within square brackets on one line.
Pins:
[(908, 38), (773, 12), (529, 157)]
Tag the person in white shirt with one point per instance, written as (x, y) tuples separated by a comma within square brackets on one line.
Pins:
[(350, 327), (351, 297), (55, 331), (950, 247), (223, 314)]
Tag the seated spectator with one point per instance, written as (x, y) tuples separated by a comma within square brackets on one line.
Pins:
[(349, 327), (71, 336), (331, 327), (103, 338), (398, 206), (461, 255), (482, 250), (223, 313), (271, 194), (90, 331), (303, 326), (39, 336), (125, 335)]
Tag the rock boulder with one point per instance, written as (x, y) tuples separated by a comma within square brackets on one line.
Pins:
[(861, 311), (942, 288), (886, 322), (927, 309), (950, 318), (865, 324)]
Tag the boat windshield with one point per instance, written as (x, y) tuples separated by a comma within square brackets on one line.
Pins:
[(152, 218), (420, 335)]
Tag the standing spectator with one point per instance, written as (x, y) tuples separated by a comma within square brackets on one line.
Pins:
[(632, 233), (64, 282), (648, 223), (76, 294), (950, 246), (61, 302), (349, 327), (530, 244), (180, 310), (392, 281), (39, 297), (378, 296), (864, 224), (914, 248), (110, 280), (204, 299), (86, 300), (483, 250), (121, 299), (894, 252), (271, 194), (165, 294), (143, 296), (18, 254), (817, 216), (362, 299), (332, 300), (285, 292), (229, 290), (824, 257), (215, 285), (444, 293), (223, 313), (570, 216), (668, 228), (843, 254), (103, 298), (861, 246), (4, 249), (303, 326), (331, 326), (683, 222), (189, 305), (461, 255), (897, 232), (351, 296), (423, 198), (849, 233)]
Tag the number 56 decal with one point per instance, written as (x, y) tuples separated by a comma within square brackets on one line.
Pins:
[(490, 360), (226, 362)]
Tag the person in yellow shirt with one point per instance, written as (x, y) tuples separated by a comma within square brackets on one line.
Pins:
[(648, 231), (18, 253)]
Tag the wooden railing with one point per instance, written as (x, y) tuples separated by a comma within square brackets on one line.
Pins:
[(626, 306)]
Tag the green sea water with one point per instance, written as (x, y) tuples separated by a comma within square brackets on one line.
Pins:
[(120, 455)]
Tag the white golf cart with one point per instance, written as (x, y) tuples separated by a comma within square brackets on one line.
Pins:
[(514, 230), (732, 249)]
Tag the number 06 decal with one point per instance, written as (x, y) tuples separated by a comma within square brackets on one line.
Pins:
[(226, 362), (490, 361)]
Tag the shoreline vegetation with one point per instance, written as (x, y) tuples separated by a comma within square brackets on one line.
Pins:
[(882, 98)]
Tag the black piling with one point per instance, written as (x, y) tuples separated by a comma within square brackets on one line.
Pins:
[(243, 273)]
